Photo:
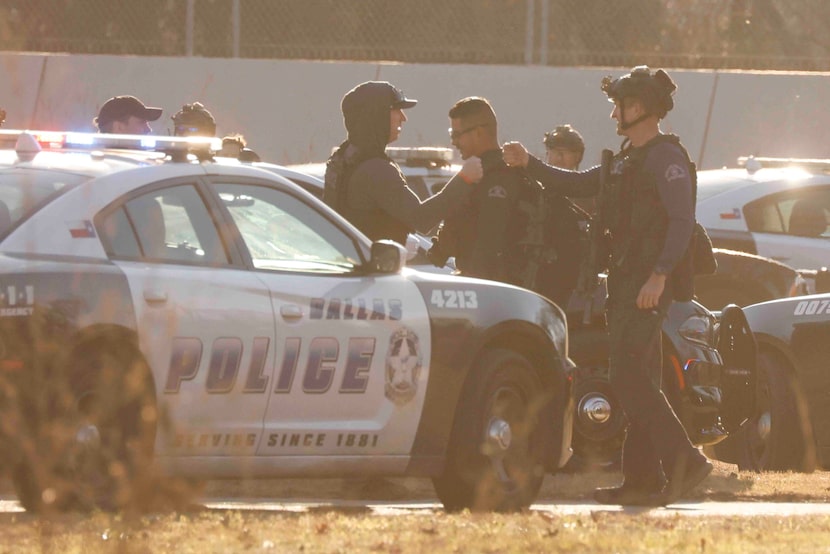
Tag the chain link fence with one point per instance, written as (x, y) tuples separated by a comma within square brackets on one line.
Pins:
[(712, 34)]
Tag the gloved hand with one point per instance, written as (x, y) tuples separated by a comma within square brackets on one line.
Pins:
[(436, 254)]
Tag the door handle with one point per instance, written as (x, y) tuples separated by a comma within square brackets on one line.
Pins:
[(155, 296), (291, 312)]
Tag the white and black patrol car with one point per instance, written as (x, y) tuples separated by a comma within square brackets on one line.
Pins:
[(774, 207), (162, 310), (789, 428)]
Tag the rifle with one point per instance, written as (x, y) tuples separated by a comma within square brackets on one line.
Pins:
[(599, 251)]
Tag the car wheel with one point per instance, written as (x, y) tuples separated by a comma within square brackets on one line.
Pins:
[(94, 442), (599, 422), (495, 455), (778, 437)]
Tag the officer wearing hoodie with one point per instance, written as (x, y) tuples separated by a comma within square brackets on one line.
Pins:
[(366, 186)]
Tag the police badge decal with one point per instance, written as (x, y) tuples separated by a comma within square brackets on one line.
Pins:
[(403, 366)]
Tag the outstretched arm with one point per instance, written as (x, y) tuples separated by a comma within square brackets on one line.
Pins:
[(576, 184)]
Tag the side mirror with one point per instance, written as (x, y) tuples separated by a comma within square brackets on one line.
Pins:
[(822, 280), (387, 257)]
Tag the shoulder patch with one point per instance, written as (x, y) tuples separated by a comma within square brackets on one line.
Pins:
[(675, 171), (497, 192)]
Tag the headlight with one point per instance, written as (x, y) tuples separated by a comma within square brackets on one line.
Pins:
[(698, 328)]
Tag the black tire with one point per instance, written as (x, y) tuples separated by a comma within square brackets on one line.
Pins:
[(95, 444), (496, 450), (599, 422), (778, 437)]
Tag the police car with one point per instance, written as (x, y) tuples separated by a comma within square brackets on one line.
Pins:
[(789, 427), (773, 207), (167, 312)]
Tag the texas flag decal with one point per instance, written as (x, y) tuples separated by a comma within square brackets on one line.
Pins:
[(734, 214), (81, 229)]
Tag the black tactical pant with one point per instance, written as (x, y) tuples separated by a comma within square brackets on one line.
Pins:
[(656, 443)]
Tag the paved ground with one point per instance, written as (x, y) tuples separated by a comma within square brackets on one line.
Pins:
[(427, 508)]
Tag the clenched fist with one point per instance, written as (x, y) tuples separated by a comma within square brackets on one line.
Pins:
[(515, 154)]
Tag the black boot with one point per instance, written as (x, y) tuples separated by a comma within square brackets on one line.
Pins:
[(630, 495)]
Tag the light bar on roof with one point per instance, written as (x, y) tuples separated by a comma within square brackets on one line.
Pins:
[(100, 141), (754, 163), (420, 155)]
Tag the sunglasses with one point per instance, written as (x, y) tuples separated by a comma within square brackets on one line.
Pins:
[(456, 134)]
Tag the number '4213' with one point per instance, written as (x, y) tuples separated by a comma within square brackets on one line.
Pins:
[(465, 299)]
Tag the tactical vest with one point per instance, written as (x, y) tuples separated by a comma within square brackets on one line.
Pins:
[(637, 222), (374, 223), (518, 262)]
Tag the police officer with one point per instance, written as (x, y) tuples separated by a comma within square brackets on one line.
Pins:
[(126, 115), (565, 148), (193, 120), (646, 213), (490, 235), (366, 186)]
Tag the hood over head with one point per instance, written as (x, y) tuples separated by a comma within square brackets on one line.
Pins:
[(366, 111)]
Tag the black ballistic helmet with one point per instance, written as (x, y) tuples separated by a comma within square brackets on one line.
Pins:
[(565, 136), (194, 120), (653, 89)]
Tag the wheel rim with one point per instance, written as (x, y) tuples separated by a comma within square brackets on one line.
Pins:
[(506, 442), (760, 426)]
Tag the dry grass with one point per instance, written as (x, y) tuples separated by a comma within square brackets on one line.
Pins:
[(724, 484), (359, 529)]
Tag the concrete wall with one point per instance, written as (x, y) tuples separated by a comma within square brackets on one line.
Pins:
[(289, 110)]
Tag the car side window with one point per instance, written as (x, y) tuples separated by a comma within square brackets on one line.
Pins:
[(283, 233), (799, 213), (167, 225), (763, 217)]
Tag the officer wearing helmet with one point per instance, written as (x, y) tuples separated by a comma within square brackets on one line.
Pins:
[(565, 148), (194, 120), (642, 237)]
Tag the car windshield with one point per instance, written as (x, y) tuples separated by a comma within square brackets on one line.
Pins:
[(23, 192)]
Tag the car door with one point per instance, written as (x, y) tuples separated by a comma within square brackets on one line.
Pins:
[(352, 349), (205, 325), (792, 227)]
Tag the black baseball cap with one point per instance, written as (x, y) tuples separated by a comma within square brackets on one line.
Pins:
[(120, 107), (372, 92)]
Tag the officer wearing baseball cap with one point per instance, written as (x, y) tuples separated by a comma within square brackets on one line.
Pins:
[(126, 115)]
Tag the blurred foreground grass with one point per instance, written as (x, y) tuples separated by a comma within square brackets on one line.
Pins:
[(358, 529)]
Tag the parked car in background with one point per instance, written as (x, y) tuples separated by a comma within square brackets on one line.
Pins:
[(744, 279), (790, 426), (778, 208)]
